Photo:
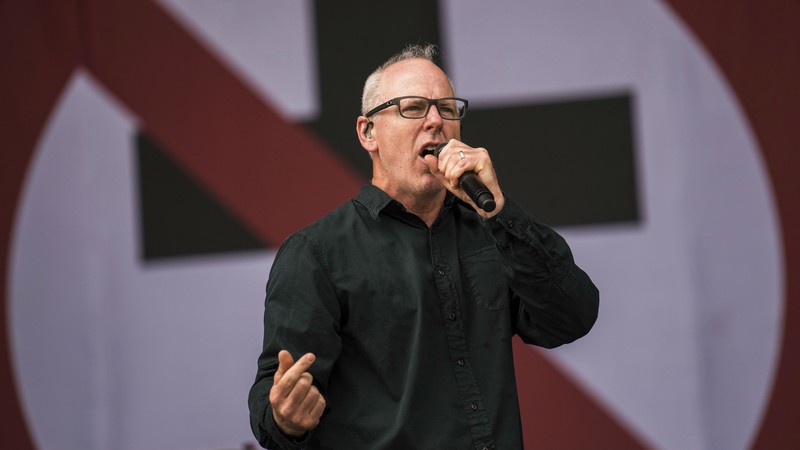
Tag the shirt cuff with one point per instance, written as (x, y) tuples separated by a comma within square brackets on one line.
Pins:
[(511, 219)]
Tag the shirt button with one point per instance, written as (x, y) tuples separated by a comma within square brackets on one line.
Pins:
[(451, 316), (510, 223), (474, 406), (441, 272), (461, 362)]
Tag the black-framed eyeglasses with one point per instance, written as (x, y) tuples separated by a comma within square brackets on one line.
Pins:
[(414, 107)]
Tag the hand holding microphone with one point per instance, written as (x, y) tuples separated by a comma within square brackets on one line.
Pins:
[(472, 185)]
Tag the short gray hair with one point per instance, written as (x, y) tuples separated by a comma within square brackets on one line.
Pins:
[(415, 51)]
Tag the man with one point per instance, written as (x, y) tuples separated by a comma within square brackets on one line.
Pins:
[(388, 322)]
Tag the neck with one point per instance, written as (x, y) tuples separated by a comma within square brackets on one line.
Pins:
[(426, 206)]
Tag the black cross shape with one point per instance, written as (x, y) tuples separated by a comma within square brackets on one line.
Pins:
[(567, 162)]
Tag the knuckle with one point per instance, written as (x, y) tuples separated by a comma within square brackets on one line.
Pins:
[(314, 395), (283, 384), (283, 411), (275, 395)]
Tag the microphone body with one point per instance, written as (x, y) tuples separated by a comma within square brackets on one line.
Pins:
[(473, 186)]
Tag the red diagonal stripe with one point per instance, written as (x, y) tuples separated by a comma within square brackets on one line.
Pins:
[(272, 174), (38, 52), (233, 143), (556, 412), (269, 172), (210, 109)]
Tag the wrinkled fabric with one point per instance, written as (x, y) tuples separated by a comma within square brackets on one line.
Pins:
[(412, 325)]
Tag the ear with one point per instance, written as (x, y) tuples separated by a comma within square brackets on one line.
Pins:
[(365, 131)]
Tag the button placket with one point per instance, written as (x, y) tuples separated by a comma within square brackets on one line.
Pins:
[(446, 277)]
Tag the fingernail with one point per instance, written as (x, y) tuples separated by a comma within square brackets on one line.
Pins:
[(310, 357)]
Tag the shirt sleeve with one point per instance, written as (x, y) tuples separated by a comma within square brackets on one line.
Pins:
[(301, 315), (555, 302)]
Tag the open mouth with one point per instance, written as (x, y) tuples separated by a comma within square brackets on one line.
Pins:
[(428, 150)]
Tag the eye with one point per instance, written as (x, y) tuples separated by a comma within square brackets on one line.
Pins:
[(448, 108), (414, 105)]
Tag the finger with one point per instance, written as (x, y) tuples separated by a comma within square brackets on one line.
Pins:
[(438, 166), (319, 406), (306, 400), (293, 374), (288, 404), (432, 162), (299, 391), (455, 165), (474, 160), (308, 414), (314, 405), (285, 362), (446, 161)]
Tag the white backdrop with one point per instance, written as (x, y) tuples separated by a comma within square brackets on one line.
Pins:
[(110, 354)]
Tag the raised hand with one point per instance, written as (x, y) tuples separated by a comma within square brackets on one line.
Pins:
[(457, 158), (297, 404)]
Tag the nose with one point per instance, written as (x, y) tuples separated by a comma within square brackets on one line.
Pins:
[(433, 120)]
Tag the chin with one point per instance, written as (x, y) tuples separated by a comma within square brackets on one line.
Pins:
[(431, 188)]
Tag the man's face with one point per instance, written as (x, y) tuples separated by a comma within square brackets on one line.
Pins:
[(398, 167)]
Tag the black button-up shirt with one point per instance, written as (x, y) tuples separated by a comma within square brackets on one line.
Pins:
[(412, 325)]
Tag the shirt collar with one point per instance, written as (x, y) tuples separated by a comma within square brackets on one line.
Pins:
[(375, 200)]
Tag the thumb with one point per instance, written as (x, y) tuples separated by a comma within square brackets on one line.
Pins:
[(285, 362), (432, 163)]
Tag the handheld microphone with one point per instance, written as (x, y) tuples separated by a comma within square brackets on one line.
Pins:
[(473, 186)]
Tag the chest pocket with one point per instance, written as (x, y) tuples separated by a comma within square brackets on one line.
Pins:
[(485, 279)]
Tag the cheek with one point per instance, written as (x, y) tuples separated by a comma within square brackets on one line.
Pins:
[(396, 145)]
